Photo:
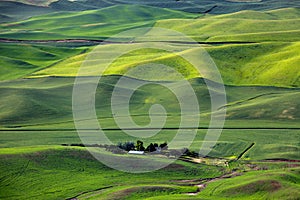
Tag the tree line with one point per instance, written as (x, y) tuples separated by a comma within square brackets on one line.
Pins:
[(139, 146)]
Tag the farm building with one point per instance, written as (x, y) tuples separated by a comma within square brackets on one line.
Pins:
[(136, 152)]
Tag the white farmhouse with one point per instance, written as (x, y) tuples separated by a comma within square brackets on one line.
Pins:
[(136, 152)]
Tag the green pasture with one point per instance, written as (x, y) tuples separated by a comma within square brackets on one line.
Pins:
[(243, 26), (268, 144), (255, 46), (47, 103), (35, 165), (271, 184), (91, 24), (67, 172), (19, 60)]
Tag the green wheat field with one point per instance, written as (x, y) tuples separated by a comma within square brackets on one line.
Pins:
[(255, 45)]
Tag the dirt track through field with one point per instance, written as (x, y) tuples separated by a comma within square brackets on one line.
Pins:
[(203, 185), (75, 197)]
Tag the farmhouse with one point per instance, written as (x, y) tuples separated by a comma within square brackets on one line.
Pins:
[(136, 152)]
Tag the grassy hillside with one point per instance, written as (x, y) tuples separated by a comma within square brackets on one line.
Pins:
[(255, 47), (268, 143), (195, 6), (123, 64), (35, 2), (273, 55), (275, 184), (14, 11), (40, 175), (244, 26), (93, 24), (44, 102), (47, 101), (35, 164), (19, 60), (258, 64), (239, 64)]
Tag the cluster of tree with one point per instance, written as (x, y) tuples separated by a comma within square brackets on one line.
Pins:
[(127, 146), (155, 147), (123, 148)]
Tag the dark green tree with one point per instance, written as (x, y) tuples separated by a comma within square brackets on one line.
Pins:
[(127, 146), (164, 146), (151, 148), (140, 146)]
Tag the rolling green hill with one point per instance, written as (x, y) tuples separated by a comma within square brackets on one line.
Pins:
[(23, 9), (46, 170), (45, 102), (269, 36), (243, 26), (258, 64), (92, 24), (14, 11), (76, 174), (239, 64), (274, 184), (255, 45), (42, 102), (19, 60), (35, 2), (195, 6)]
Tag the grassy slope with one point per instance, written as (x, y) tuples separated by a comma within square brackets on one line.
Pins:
[(247, 26), (258, 64), (269, 144), (94, 24), (195, 6), (275, 184), (243, 26), (40, 175), (30, 168), (14, 11), (272, 184), (19, 60), (36, 2), (239, 64), (48, 100), (124, 63)]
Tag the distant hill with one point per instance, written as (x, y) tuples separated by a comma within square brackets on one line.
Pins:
[(21, 9), (257, 53), (249, 47), (206, 6), (19, 60), (14, 11), (34, 2), (92, 24), (243, 26)]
